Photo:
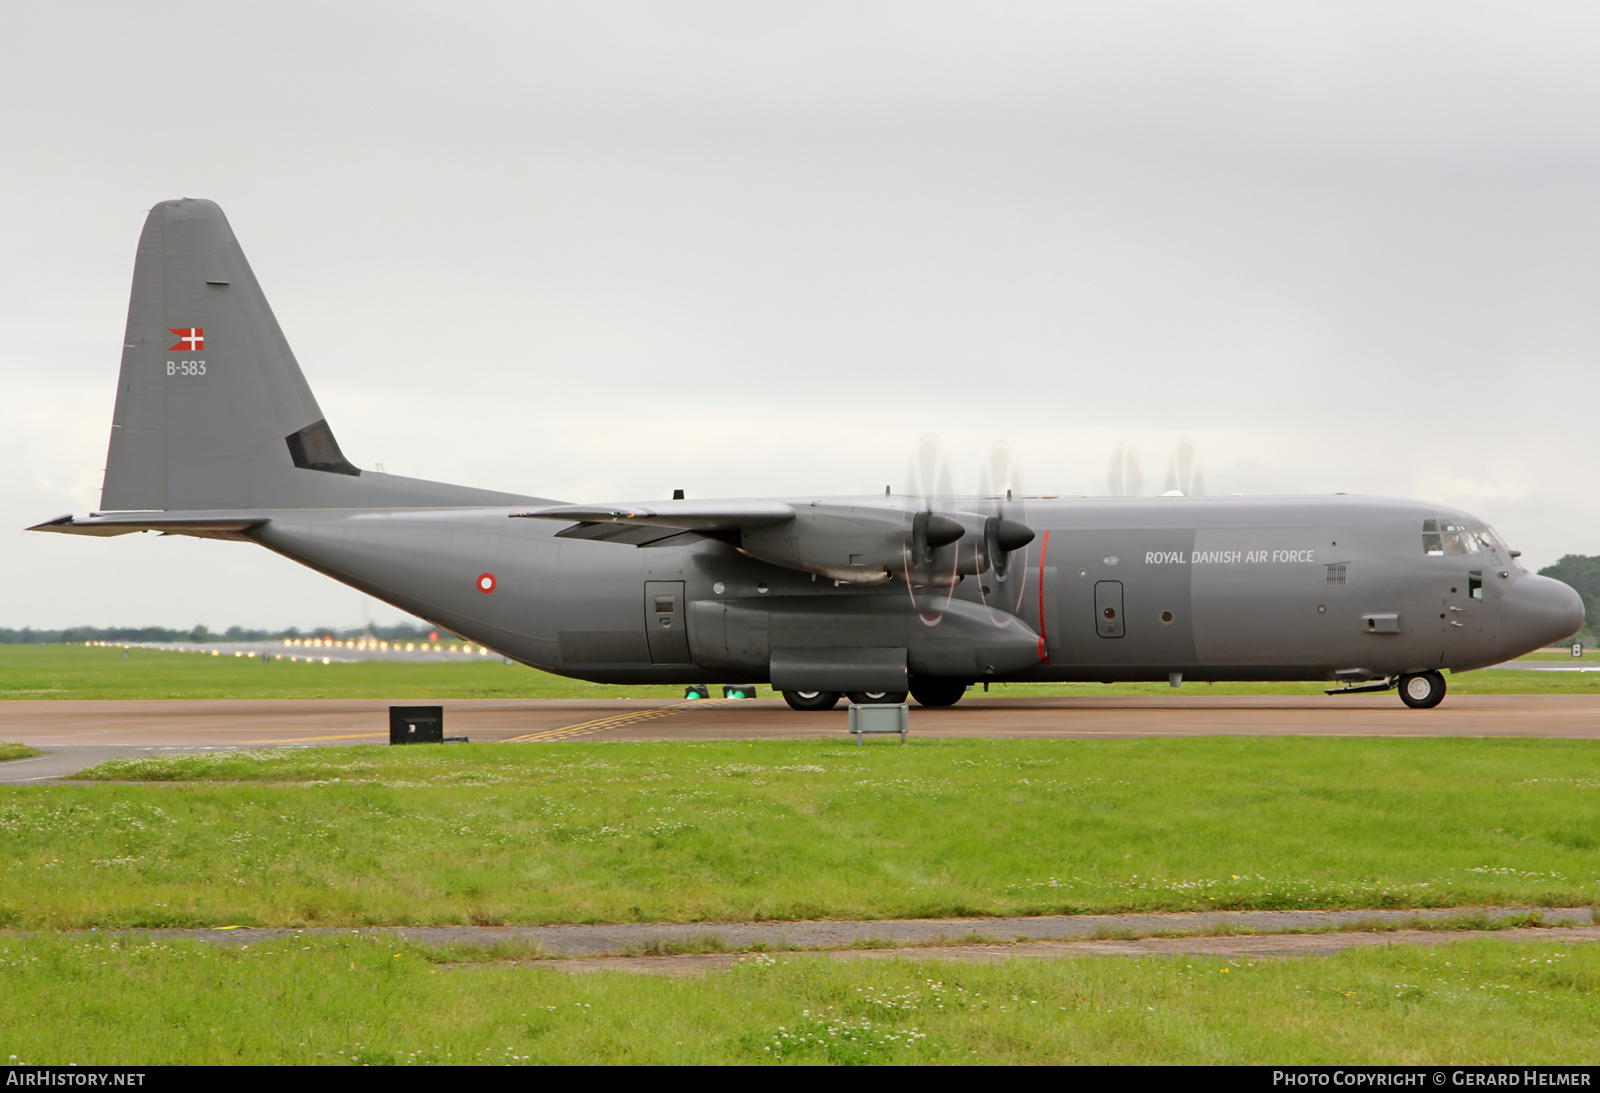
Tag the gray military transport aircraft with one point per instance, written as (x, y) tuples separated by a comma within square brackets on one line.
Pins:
[(216, 434)]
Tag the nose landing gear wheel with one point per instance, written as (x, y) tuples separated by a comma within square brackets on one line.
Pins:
[(876, 698), (1422, 691), (811, 700)]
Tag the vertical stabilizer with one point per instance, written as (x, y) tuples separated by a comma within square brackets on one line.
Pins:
[(212, 410)]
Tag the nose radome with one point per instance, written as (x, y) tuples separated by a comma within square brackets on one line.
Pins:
[(1540, 610)]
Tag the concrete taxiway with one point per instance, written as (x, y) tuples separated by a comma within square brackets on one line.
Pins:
[(1242, 948), (649, 947), (622, 938), (80, 733)]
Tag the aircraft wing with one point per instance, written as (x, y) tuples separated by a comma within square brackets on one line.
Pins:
[(169, 523), (644, 525)]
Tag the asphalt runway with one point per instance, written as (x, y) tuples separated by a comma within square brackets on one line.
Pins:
[(78, 734)]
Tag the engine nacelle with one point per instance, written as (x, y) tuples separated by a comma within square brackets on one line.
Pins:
[(867, 544)]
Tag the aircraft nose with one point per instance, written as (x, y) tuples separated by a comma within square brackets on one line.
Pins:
[(1539, 610)]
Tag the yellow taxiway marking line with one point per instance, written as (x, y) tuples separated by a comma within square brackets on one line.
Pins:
[(616, 721), (313, 739)]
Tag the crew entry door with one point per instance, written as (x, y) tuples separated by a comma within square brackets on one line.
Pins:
[(665, 622)]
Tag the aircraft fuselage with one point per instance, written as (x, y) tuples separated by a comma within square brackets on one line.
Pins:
[(1110, 589)]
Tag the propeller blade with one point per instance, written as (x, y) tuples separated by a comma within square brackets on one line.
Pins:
[(999, 476), (1125, 477), (928, 473), (1005, 531), (1184, 474), (929, 564)]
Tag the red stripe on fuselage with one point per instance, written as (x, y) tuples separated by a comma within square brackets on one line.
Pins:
[(1044, 648)]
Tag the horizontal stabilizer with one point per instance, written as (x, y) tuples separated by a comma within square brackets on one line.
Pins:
[(123, 523)]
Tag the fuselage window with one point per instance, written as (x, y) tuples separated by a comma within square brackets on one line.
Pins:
[(666, 605)]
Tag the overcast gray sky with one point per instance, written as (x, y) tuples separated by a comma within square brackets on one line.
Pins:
[(597, 251)]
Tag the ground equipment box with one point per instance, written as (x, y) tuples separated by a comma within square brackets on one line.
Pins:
[(868, 717), (416, 724)]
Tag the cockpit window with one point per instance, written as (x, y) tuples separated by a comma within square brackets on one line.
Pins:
[(1454, 537)]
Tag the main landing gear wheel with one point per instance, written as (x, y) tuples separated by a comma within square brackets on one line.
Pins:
[(1422, 691), (876, 698), (935, 691), (811, 700)]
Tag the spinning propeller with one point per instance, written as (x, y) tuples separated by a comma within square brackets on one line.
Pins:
[(953, 537), (931, 558), (1125, 477), (1005, 528), (1184, 475)]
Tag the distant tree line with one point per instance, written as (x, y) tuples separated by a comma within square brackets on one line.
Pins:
[(78, 634), (1582, 572)]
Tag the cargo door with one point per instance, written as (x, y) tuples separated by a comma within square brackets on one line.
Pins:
[(666, 622)]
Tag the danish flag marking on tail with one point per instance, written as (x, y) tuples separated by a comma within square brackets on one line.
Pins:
[(189, 337)]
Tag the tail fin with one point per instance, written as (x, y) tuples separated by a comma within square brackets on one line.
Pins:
[(212, 409)]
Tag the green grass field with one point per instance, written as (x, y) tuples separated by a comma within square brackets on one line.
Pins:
[(691, 831), (362, 1001), (617, 831), (99, 672)]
